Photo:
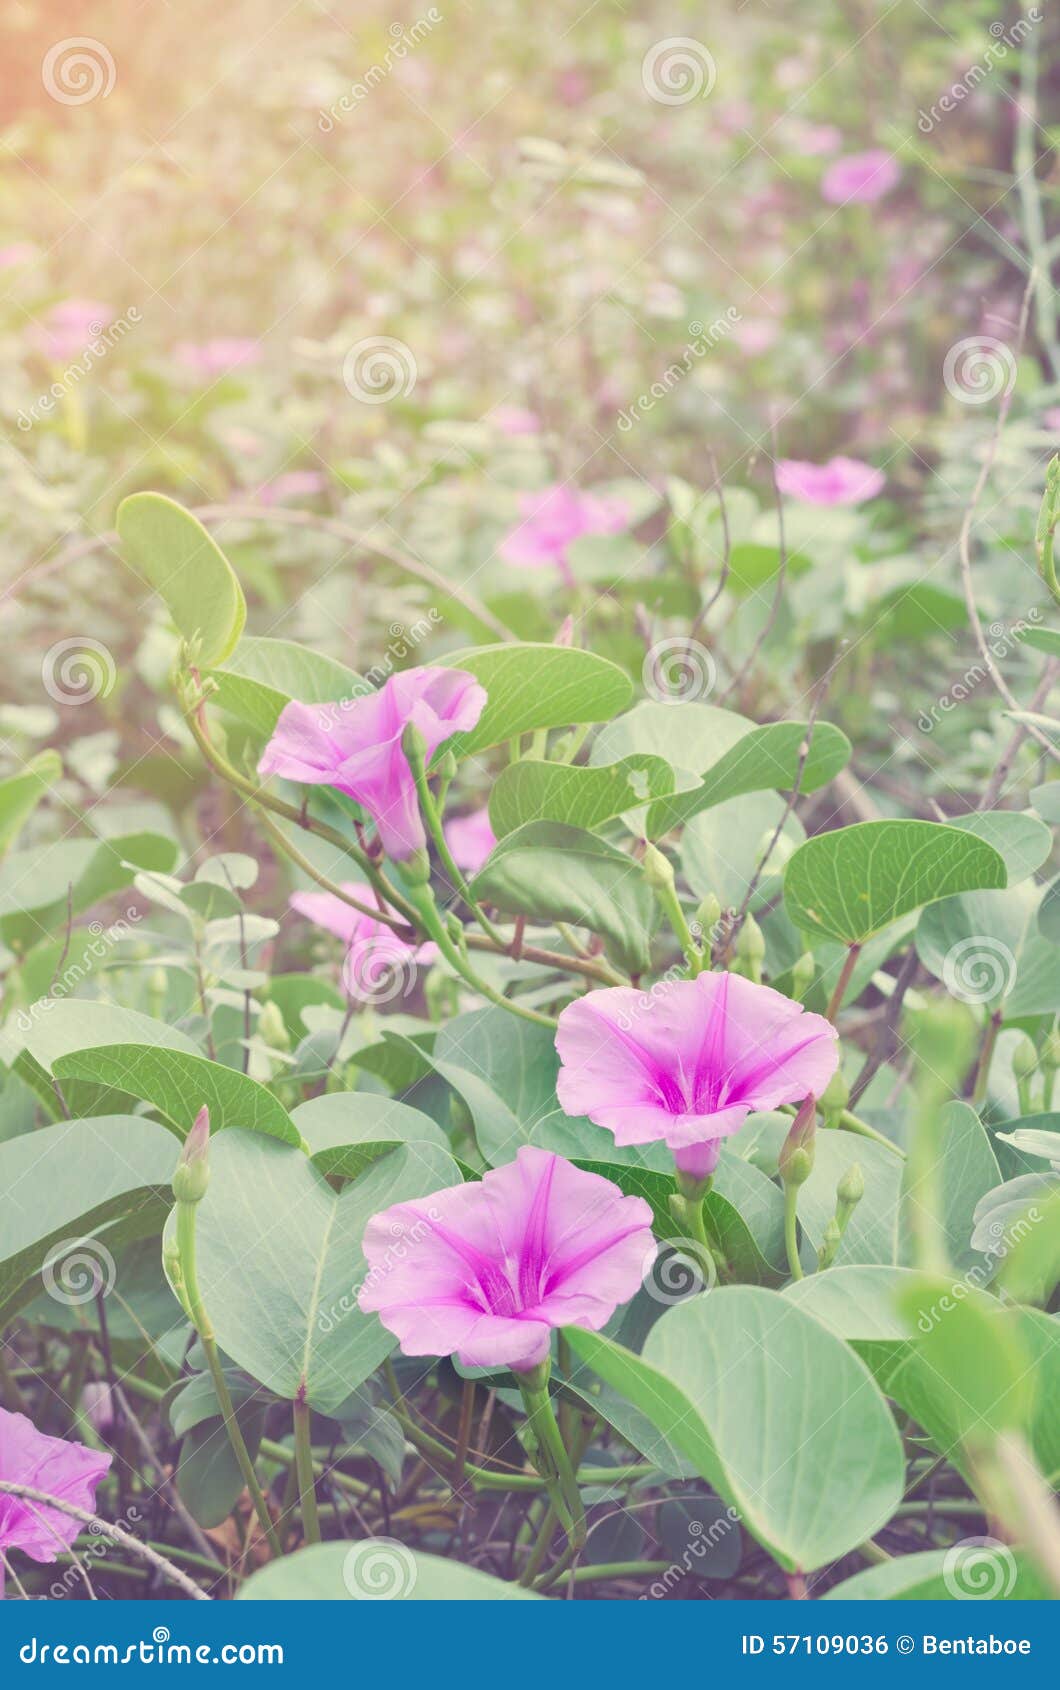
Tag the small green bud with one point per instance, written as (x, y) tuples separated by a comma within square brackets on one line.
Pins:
[(658, 870), (803, 972), (1051, 1051), (416, 870), (708, 913), (851, 1187), (751, 944), (273, 1028), (795, 1162), (191, 1175), (446, 765), (414, 746), (836, 1096)]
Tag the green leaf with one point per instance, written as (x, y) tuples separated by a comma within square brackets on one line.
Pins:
[(987, 949), (966, 1169), (70, 1184), (851, 882), (280, 1261), (346, 1131), (374, 1568), (1044, 639), (170, 549), (764, 759), (20, 794), (871, 1233), (971, 1376), (1018, 836), (537, 686), (969, 1569), (263, 675), (859, 1305), (582, 797), (178, 1085), (779, 1416), (75, 1024), (208, 1476), (555, 873)]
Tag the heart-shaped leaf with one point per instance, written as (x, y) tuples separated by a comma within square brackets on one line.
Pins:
[(851, 882), (775, 1412), (170, 550), (280, 1261), (765, 758), (537, 686)]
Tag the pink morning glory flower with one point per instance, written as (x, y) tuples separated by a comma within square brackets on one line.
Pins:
[(840, 481), (67, 1470), (213, 358), (860, 178), (689, 1065), (487, 1269), (356, 746), (470, 839), (376, 956), (553, 519), (71, 326)]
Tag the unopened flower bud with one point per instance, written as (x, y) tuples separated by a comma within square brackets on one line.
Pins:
[(192, 1173), (836, 1096), (709, 913), (445, 767), (803, 972), (851, 1187), (272, 1027), (751, 948), (1051, 1051), (414, 746), (795, 1162), (658, 870)]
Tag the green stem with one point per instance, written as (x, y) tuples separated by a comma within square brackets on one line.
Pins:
[(791, 1235), (986, 1055), (849, 964), (687, 1211), (429, 917), (551, 1459), (303, 1461), (429, 811), (200, 1320), (619, 1570), (670, 904)]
